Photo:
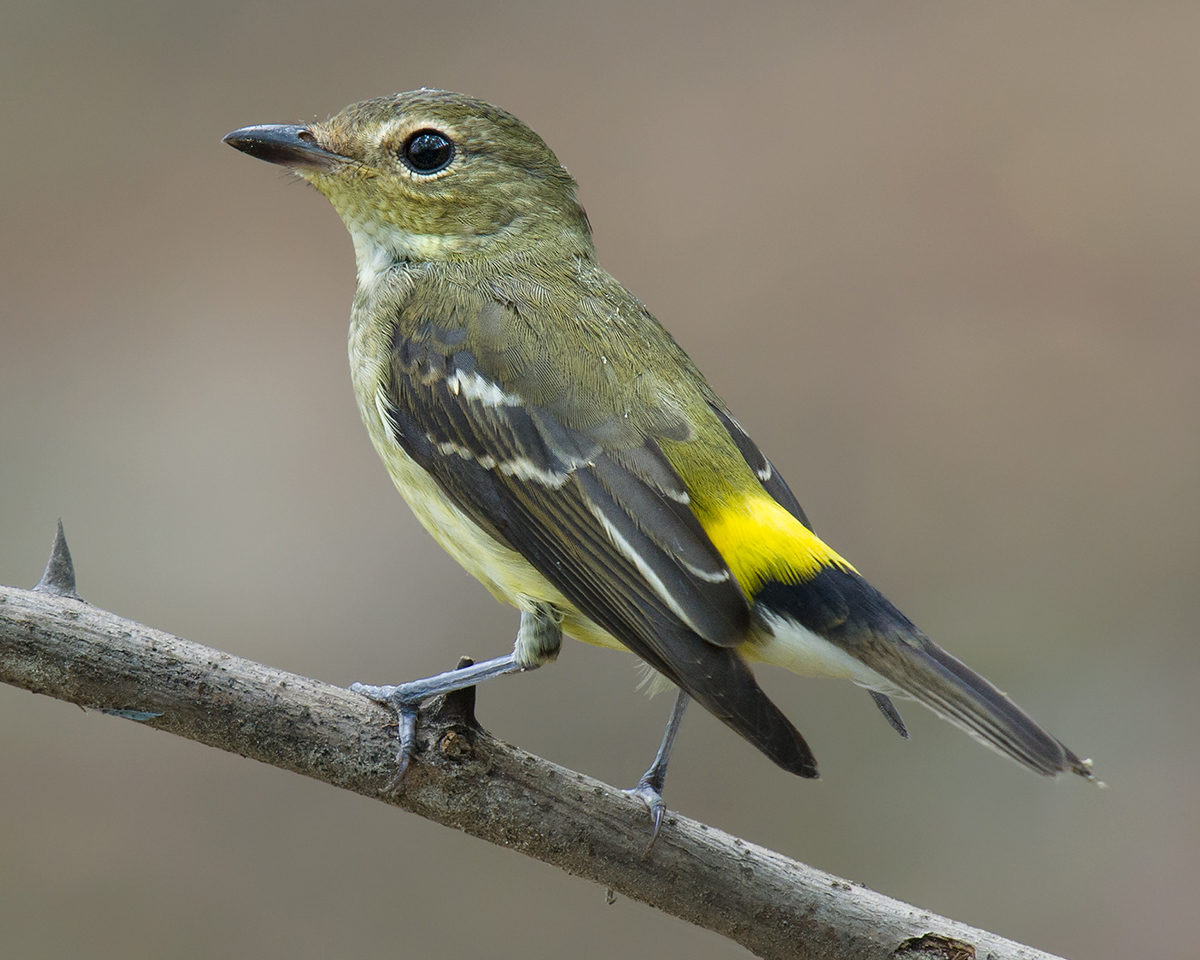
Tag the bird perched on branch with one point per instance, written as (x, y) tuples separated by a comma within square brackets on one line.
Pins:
[(558, 443)]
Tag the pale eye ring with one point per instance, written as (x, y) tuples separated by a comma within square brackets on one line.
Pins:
[(427, 151)]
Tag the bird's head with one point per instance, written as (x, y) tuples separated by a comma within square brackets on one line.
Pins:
[(430, 175)]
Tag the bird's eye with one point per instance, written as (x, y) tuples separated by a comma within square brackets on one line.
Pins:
[(427, 151)]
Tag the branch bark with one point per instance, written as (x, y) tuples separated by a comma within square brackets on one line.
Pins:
[(54, 643)]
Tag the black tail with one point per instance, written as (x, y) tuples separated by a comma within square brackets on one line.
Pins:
[(958, 694), (841, 607)]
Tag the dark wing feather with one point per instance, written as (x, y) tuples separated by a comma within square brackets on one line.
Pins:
[(767, 475), (612, 530)]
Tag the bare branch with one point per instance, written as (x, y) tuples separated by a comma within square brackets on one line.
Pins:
[(53, 643)]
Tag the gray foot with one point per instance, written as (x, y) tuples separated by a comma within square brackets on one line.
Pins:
[(406, 699), (650, 787)]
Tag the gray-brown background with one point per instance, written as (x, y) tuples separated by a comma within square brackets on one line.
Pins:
[(941, 260)]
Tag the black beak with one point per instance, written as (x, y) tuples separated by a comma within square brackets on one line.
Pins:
[(287, 144)]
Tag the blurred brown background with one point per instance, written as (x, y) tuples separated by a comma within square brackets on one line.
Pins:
[(941, 260)]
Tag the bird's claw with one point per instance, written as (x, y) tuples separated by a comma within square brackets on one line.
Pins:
[(407, 709), (652, 797)]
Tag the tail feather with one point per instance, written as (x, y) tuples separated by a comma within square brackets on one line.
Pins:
[(862, 628), (958, 694), (889, 711)]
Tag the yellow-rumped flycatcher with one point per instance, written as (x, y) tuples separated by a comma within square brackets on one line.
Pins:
[(559, 444)]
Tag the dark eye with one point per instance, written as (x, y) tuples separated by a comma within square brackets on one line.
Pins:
[(427, 151)]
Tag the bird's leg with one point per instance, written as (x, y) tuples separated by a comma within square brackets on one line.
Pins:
[(649, 788), (406, 698), (538, 640)]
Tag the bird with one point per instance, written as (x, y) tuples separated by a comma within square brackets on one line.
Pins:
[(556, 441)]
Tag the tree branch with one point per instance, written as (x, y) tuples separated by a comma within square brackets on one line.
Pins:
[(54, 643)]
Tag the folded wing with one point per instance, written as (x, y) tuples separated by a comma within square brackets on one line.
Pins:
[(611, 529)]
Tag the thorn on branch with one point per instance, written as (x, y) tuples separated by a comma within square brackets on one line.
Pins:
[(459, 704), (59, 577), (455, 713)]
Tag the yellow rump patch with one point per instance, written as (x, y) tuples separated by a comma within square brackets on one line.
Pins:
[(761, 541)]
